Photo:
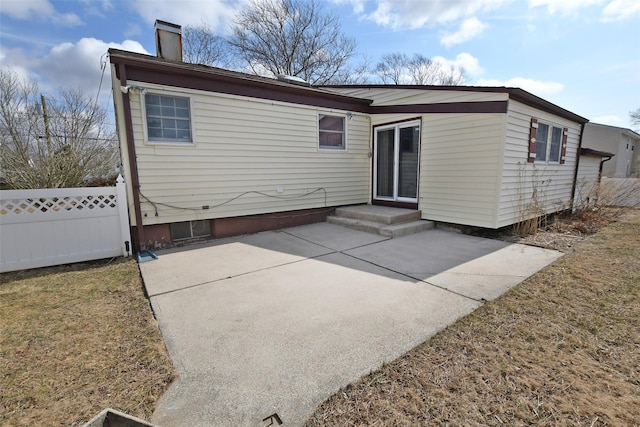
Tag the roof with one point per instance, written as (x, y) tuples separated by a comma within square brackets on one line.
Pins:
[(151, 69), (596, 153), (514, 93), (625, 131)]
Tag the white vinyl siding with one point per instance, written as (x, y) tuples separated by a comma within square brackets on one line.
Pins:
[(551, 183), (588, 171), (460, 167), (263, 153)]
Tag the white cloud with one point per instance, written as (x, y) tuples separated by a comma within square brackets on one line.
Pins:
[(536, 87), (218, 14), (564, 7), (464, 60), (469, 29), (17, 61), (358, 5), (621, 9), (79, 64), (41, 10), (399, 14)]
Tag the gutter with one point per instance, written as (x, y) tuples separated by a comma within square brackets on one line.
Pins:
[(133, 163)]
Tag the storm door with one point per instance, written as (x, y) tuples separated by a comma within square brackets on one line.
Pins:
[(396, 161)]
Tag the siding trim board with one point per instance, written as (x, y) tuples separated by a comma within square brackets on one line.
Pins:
[(444, 107)]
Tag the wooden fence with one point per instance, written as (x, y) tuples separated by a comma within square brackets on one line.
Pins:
[(45, 227)]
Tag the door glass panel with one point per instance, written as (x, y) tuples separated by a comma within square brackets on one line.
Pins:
[(408, 162), (384, 163)]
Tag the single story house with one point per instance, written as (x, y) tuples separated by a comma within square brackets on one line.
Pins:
[(622, 142), (208, 152)]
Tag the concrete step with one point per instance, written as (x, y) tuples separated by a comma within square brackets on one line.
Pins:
[(387, 230), (380, 214), (406, 228), (356, 224)]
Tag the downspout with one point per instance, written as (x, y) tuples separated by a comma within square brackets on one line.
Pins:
[(575, 172), (600, 177), (133, 163), (601, 167)]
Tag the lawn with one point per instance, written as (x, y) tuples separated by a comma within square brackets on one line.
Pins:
[(75, 340), (561, 349)]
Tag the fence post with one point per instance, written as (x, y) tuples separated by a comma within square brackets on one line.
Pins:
[(125, 233)]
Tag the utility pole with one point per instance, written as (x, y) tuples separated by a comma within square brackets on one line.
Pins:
[(47, 128), (47, 132)]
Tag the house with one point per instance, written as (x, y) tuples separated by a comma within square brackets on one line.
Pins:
[(622, 142), (209, 152)]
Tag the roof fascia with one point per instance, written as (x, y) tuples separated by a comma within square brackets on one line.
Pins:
[(516, 94)]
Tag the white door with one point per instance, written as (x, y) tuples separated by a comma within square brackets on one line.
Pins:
[(396, 162)]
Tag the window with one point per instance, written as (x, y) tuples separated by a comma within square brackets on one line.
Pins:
[(549, 140), (190, 229), (168, 118), (331, 132)]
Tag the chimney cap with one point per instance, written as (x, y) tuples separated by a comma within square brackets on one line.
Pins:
[(167, 26)]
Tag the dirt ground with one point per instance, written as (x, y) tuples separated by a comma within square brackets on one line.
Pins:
[(561, 349)]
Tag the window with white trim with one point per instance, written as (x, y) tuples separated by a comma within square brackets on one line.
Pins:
[(548, 143), (168, 118), (331, 131)]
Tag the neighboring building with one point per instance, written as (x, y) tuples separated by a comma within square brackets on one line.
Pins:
[(622, 142), (589, 177), (210, 153)]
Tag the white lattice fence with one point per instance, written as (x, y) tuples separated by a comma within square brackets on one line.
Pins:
[(46, 227)]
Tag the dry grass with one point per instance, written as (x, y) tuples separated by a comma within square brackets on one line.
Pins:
[(561, 349), (75, 340)]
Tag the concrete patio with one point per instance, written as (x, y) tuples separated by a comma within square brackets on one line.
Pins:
[(275, 322)]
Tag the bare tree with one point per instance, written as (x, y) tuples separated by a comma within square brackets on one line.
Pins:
[(398, 68), (392, 68), (635, 118), (292, 37), (51, 143), (202, 46)]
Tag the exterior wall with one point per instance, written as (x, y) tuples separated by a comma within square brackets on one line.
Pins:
[(460, 167), (618, 141), (587, 179), (533, 189), (243, 147), (395, 96)]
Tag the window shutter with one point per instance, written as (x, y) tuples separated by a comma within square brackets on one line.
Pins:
[(533, 133), (563, 147)]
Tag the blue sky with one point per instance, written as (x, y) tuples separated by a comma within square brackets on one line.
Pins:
[(583, 55)]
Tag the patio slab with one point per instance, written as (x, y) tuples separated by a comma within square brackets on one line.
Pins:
[(276, 322)]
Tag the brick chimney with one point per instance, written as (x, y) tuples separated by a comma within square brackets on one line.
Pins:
[(168, 40)]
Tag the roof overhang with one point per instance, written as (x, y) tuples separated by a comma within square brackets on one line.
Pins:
[(595, 153), (154, 70), (514, 93)]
